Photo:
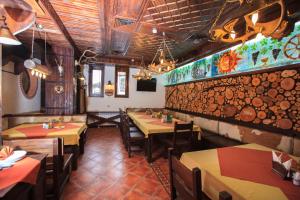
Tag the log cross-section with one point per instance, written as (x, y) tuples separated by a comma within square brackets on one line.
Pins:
[(61, 26)]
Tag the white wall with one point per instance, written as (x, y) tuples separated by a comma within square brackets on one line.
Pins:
[(13, 100), (136, 99)]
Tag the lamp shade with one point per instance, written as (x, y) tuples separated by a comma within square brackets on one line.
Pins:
[(6, 37), (109, 89)]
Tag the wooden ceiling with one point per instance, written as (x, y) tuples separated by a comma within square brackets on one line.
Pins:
[(123, 28)]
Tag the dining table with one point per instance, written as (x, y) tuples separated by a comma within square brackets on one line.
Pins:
[(73, 134), (152, 126), (244, 171), (25, 179)]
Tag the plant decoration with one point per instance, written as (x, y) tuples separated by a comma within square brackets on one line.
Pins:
[(178, 75), (199, 69), (252, 55), (276, 48), (228, 61)]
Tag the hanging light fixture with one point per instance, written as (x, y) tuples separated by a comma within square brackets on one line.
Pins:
[(164, 65), (245, 24), (38, 70), (6, 37), (232, 35), (109, 89), (31, 62), (254, 18), (143, 73)]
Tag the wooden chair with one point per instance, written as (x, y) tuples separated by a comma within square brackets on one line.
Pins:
[(58, 164), (182, 138), (121, 126), (132, 126), (132, 137), (184, 183)]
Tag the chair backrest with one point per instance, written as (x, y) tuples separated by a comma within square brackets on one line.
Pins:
[(183, 131), (121, 113), (126, 125), (184, 183), (50, 146)]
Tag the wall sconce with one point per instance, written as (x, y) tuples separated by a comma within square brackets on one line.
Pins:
[(109, 89), (6, 37)]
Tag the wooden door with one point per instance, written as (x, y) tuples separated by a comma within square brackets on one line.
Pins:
[(59, 90)]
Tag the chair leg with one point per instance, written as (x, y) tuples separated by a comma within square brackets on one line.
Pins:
[(129, 150)]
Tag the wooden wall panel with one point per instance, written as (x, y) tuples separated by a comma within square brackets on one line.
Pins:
[(65, 102), (270, 100)]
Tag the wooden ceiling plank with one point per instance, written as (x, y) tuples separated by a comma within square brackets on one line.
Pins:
[(170, 13), (61, 26), (176, 1), (143, 9), (193, 7)]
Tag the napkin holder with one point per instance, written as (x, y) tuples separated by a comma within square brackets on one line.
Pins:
[(148, 112), (169, 118), (279, 169)]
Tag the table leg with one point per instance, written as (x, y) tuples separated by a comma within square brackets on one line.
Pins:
[(82, 141), (149, 149)]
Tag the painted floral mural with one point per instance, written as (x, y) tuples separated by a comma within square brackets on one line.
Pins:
[(256, 54)]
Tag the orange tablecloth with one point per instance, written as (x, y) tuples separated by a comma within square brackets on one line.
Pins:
[(25, 170), (150, 125), (70, 134), (256, 166), (39, 131)]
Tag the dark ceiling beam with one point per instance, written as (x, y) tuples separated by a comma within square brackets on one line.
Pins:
[(105, 9), (119, 61), (143, 9), (61, 26)]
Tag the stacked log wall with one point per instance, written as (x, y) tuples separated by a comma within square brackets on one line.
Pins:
[(269, 99)]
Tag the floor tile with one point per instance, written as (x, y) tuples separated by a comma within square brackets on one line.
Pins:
[(105, 172)]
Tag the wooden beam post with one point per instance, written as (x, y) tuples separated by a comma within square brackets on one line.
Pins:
[(61, 26)]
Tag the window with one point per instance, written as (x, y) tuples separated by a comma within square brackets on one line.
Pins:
[(121, 81), (96, 81)]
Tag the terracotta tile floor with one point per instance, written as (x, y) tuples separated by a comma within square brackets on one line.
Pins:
[(106, 172)]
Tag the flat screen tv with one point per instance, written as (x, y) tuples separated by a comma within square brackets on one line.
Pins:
[(146, 85)]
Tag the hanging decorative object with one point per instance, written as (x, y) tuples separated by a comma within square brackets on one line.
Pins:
[(143, 73), (60, 68), (165, 64), (250, 19), (59, 89), (109, 89), (37, 69), (31, 62), (6, 37)]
